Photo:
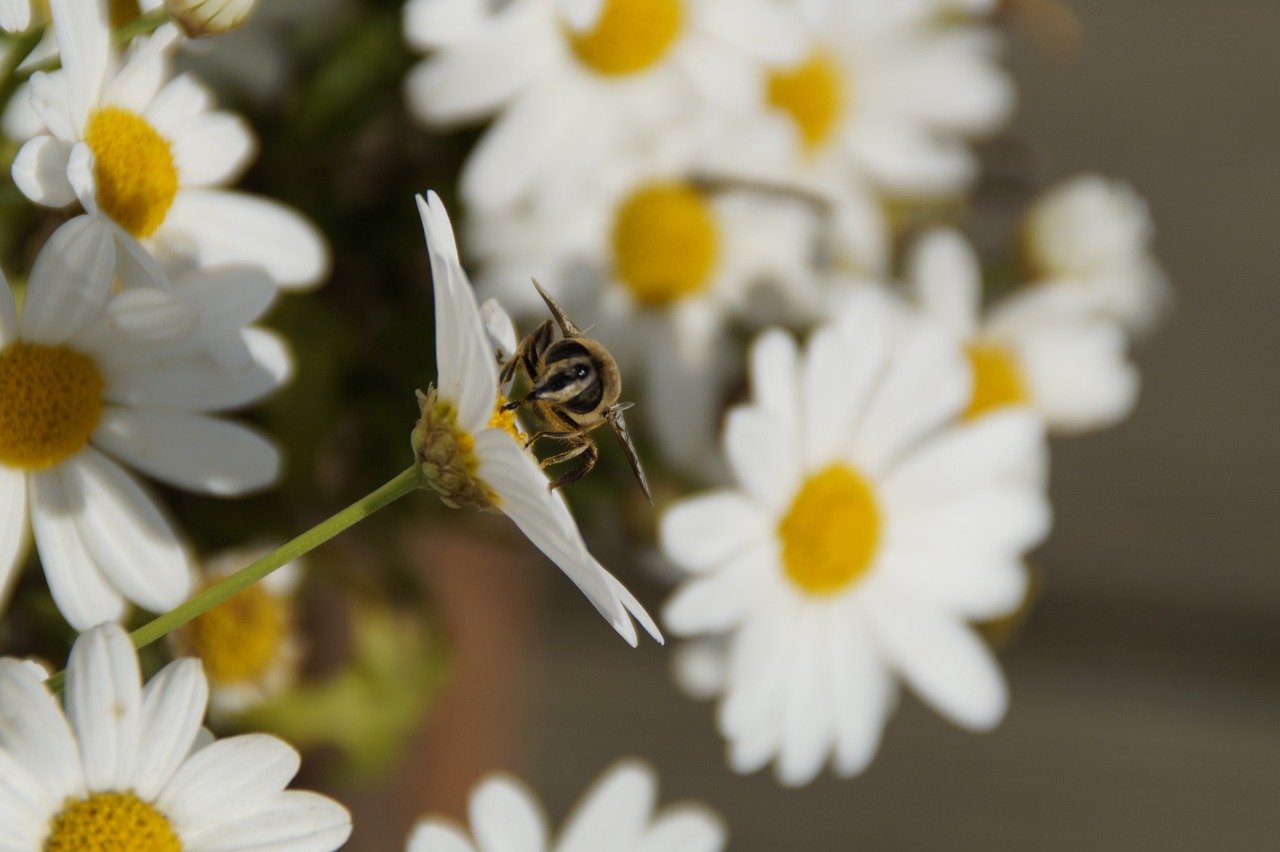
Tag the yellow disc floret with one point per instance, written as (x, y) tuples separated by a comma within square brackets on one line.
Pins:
[(446, 452), (111, 822), (629, 35), (997, 381), (133, 168), (50, 400), (665, 243), (812, 93), (830, 533), (239, 639), (505, 420)]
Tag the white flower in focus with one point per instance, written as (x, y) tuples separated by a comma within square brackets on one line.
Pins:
[(615, 814), (867, 529), (1096, 234), (471, 449), (576, 83), (125, 767), (77, 389), (1043, 347), (147, 153), (249, 645)]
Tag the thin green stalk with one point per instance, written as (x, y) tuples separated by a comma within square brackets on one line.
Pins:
[(403, 483), (18, 53)]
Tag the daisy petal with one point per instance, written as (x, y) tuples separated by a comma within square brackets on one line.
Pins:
[(719, 600), (151, 315), (703, 532), (49, 103), (862, 693), (79, 588), (293, 821), (221, 227), (84, 45), (840, 369), (15, 15), (506, 818), (773, 365), (614, 812), (762, 460), (182, 98), (437, 835), (226, 779), (131, 541), (35, 733), (212, 148), (25, 806), (136, 84), (944, 274), (40, 171), (905, 157), (429, 24), (807, 732), (69, 281), (104, 705), (13, 526), (173, 707), (685, 828), (192, 451)]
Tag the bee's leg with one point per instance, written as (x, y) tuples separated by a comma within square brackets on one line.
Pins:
[(538, 436), (527, 353), (589, 447), (573, 452)]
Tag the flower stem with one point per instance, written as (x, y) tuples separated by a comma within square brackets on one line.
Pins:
[(398, 487)]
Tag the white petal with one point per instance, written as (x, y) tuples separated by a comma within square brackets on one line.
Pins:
[(906, 158), (151, 315), (69, 281), (862, 693), (212, 148), (703, 532), (191, 451), (15, 15), (502, 332), (760, 662), (79, 588), (685, 828), (144, 71), (182, 98), (36, 734), (773, 367), (219, 227), (773, 33), (719, 601), (429, 24), (466, 365), (436, 835), (613, 812), (808, 724), (293, 821), (841, 366), (942, 660), (84, 45), (1078, 375), (173, 707), (25, 806), (40, 171), (698, 667), (13, 526), (505, 817), (762, 458), (226, 779), (104, 705), (131, 541), (944, 274), (973, 586)]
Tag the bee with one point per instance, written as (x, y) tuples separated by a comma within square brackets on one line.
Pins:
[(575, 388)]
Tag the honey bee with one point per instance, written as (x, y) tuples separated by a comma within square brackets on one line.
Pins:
[(575, 388)]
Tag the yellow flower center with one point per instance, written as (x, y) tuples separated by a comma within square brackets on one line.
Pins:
[(133, 169), (664, 243), (50, 399), (830, 533), (629, 36), (997, 381), (812, 93), (111, 822), (239, 639), (446, 452)]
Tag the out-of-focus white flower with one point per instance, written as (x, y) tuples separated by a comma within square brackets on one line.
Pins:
[(147, 154), (76, 387), (15, 15), (1046, 347), (123, 767), (867, 529), (578, 85), (198, 18), (471, 450), (1096, 233), (615, 814), (249, 645)]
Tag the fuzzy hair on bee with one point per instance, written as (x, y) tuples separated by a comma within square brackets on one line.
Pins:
[(574, 387)]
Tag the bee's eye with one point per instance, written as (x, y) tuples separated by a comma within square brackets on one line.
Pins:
[(581, 372)]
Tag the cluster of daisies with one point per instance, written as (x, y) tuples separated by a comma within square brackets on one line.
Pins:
[(757, 193)]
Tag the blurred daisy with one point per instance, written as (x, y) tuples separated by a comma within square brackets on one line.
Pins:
[(867, 530), (149, 156), (471, 450), (616, 813), (575, 83), (1045, 348), (125, 767), (249, 645), (1097, 233), (77, 388)]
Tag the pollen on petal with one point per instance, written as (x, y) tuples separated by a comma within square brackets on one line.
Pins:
[(133, 168)]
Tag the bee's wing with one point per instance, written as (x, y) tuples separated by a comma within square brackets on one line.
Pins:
[(566, 325), (613, 415)]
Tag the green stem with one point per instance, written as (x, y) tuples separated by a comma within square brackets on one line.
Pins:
[(403, 483), (18, 53)]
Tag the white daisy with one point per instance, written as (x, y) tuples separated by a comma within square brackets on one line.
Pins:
[(615, 814), (1097, 233), (576, 83), (470, 449), (249, 645), (1045, 347), (147, 153), (77, 388), (126, 767), (867, 529)]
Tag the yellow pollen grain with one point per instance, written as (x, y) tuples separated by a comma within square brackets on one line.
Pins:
[(239, 639), (665, 243), (50, 401), (133, 168), (997, 381), (830, 533), (629, 36), (812, 94), (504, 420), (111, 822)]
